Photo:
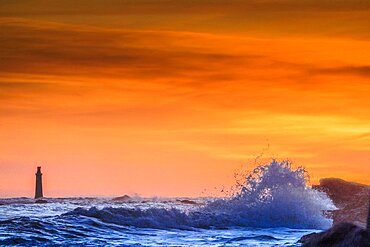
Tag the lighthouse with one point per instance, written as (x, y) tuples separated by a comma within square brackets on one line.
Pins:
[(38, 191)]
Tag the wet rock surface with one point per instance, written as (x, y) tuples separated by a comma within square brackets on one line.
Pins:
[(340, 235), (351, 199)]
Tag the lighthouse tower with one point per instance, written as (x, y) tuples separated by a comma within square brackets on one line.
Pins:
[(38, 191)]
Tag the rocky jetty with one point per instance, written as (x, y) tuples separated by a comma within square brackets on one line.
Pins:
[(351, 199)]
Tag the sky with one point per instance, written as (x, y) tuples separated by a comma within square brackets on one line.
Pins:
[(173, 97)]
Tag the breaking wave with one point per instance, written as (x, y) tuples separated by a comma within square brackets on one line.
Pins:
[(273, 195)]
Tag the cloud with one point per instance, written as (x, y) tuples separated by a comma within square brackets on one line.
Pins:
[(119, 72), (5, 86), (259, 17), (363, 71), (89, 7), (59, 49)]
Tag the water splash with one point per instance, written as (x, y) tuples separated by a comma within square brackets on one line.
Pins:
[(273, 195), (276, 195)]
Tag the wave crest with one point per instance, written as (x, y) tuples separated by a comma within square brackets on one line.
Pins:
[(273, 195)]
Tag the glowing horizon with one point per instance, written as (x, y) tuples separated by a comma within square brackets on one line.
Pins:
[(170, 98)]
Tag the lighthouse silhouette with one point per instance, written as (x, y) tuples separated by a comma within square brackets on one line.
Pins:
[(38, 191)]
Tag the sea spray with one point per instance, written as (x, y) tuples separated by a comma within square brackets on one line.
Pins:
[(273, 195)]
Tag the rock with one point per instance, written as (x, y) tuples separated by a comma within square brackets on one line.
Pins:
[(185, 201), (340, 235), (41, 201), (124, 198), (351, 199)]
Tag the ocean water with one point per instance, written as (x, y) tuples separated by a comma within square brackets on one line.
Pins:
[(274, 206)]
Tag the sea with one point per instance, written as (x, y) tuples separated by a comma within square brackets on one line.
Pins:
[(274, 206)]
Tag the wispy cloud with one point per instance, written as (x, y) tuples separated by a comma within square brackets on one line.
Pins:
[(59, 49), (289, 17), (344, 70), (195, 71)]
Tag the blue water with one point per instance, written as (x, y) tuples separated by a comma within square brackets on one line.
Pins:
[(273, 207), (60, 223)]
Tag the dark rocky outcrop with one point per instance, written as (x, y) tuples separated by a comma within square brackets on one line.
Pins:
[(340, 235), (41, 201), (124, 198), (350, 225), (186, 201), (351, 199)]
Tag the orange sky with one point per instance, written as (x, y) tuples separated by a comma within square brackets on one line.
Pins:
[(171, 98)]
